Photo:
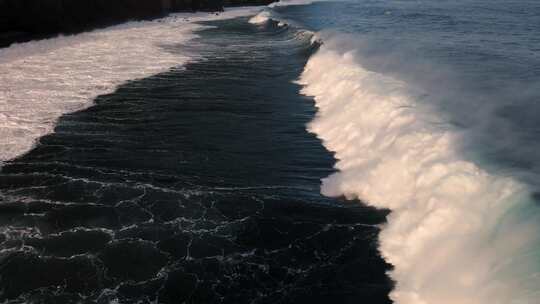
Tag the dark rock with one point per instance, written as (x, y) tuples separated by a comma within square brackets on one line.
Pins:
[(22, 20)]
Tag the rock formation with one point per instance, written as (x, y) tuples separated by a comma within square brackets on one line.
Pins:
[(27, 19)]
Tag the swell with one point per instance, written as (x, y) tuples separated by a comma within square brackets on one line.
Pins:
[(457, 233), (286, 27)]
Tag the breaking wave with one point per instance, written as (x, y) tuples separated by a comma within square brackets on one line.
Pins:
[(457, 233)]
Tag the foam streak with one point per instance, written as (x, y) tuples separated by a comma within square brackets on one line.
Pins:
[(41, 80)]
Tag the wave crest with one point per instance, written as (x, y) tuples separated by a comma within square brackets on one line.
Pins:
[(261, 18), (456, 234)]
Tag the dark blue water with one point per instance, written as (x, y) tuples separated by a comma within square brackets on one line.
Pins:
[(199, 185), (476, 61), (432, 110)]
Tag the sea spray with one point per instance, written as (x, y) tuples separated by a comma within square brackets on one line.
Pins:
[(456, 234)]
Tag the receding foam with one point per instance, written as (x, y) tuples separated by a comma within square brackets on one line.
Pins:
[(457, 234), (41, 80)]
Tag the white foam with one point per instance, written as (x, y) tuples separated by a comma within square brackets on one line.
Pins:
[(292, 2), (261, 18), (41, 80), (456, 234)]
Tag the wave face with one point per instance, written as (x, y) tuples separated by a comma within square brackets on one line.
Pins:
[(457, 234), (41, 80), (433, 130)]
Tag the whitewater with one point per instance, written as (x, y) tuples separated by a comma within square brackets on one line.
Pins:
[(42, 80), (458, 232)]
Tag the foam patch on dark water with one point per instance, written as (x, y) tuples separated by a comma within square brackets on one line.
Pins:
[(41, 80)]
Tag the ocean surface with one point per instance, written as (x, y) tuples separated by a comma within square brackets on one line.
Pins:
[(327, 152)]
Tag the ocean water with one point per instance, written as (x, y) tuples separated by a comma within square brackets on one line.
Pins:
[(199, 184), (326, 152), (431, 108)]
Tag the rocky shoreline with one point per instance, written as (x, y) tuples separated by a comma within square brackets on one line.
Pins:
[(23, 20)]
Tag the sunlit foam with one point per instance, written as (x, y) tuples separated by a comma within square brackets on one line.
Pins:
[(456, 234), (41, 80), (260, 18)]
